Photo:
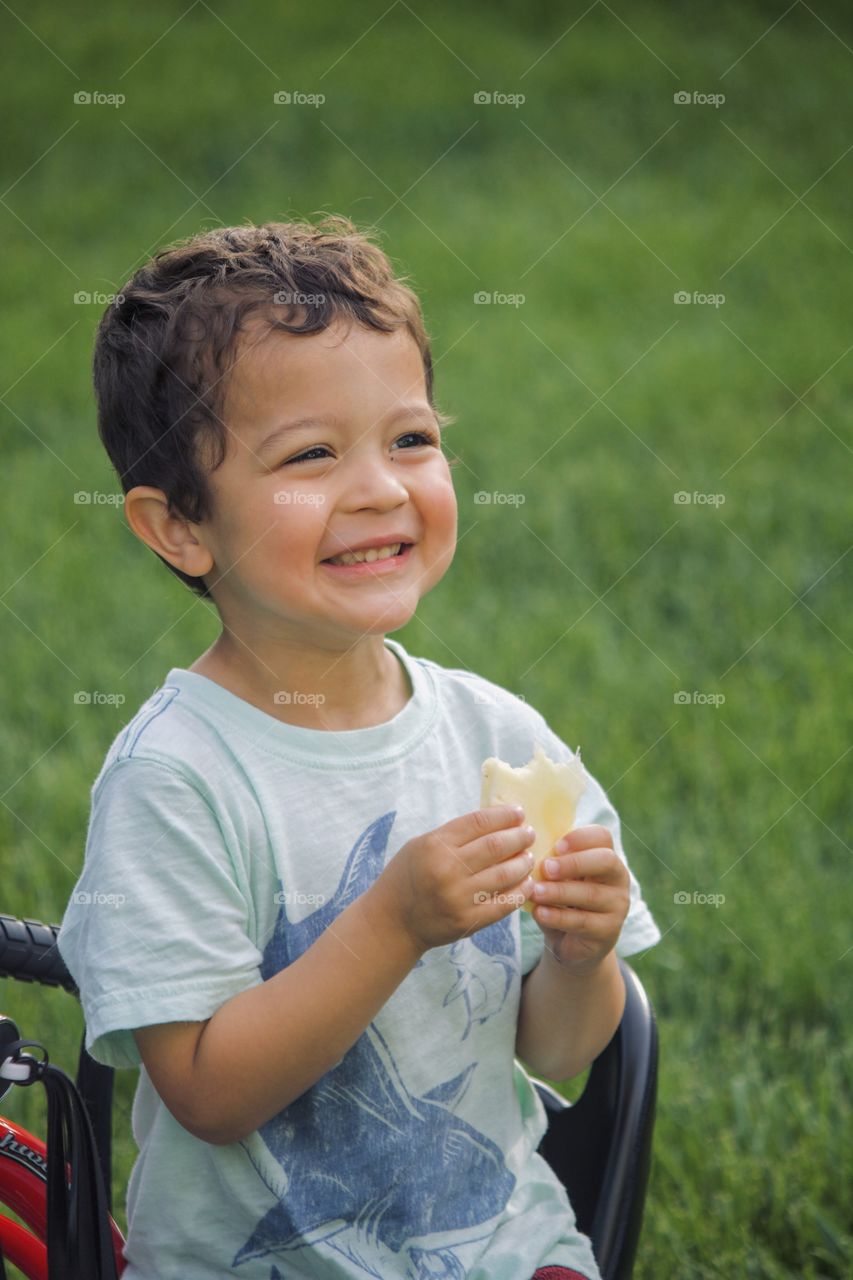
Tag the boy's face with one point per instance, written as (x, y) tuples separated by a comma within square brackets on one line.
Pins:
[(369, 477)]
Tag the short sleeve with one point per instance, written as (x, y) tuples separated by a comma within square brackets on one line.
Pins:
[(639, 930), (156, 929)]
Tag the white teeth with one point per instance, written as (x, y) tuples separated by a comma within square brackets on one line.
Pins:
[(373, 553)]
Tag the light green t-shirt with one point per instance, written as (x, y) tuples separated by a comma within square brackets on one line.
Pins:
[(221, 843)]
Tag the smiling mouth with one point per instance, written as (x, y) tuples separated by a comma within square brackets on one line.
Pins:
[(401, 548), (372, 568)]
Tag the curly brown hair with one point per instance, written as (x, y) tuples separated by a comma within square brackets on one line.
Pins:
[(165, 344)]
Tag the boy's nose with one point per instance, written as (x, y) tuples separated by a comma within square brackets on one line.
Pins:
[(374, 481)]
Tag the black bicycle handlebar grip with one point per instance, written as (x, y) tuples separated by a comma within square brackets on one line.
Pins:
[(28, 951)]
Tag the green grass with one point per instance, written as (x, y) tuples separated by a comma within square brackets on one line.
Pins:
[(599, 597)]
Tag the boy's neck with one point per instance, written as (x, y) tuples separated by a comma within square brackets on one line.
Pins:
[(363, 687)]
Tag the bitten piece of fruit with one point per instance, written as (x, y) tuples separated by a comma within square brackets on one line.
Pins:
[(549, 793)]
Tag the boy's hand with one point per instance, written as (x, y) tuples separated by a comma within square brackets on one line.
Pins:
[(582, 906), (459, 878)]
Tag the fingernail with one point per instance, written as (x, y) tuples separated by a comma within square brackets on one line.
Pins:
[(552, 866), (562, 845)]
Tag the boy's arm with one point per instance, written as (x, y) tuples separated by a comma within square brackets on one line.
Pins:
[(262, 1049), (566, 1019)]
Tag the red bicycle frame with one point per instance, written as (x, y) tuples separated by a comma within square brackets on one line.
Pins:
[(23, 1189)]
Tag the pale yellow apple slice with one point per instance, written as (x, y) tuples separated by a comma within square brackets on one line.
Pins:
[(549, 793)]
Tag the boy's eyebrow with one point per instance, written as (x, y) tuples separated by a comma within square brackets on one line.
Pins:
[(405, 411)]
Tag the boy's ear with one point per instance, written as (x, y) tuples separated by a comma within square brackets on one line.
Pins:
[(171, 536)]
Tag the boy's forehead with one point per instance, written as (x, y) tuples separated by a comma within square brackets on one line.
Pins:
[(273, 367), (265, 355)]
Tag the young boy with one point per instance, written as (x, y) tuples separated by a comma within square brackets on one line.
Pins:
[(293, 917)]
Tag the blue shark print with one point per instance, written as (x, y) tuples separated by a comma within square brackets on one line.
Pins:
[(364, 864), (483, 989), (371, 1169), (483, 992)]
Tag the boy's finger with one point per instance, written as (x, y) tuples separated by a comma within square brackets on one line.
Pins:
[(485, 822), (591, 837), (602, 863), (498, 815)]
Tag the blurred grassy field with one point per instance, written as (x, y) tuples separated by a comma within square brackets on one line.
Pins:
[(594, 594)]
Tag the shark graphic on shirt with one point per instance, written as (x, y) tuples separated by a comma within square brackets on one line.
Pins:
[(483, 989), (391, 1180)]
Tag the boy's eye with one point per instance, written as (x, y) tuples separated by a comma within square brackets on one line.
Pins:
[(428, 437)]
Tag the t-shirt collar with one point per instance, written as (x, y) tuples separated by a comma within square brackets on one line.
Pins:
[(322, 747)]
